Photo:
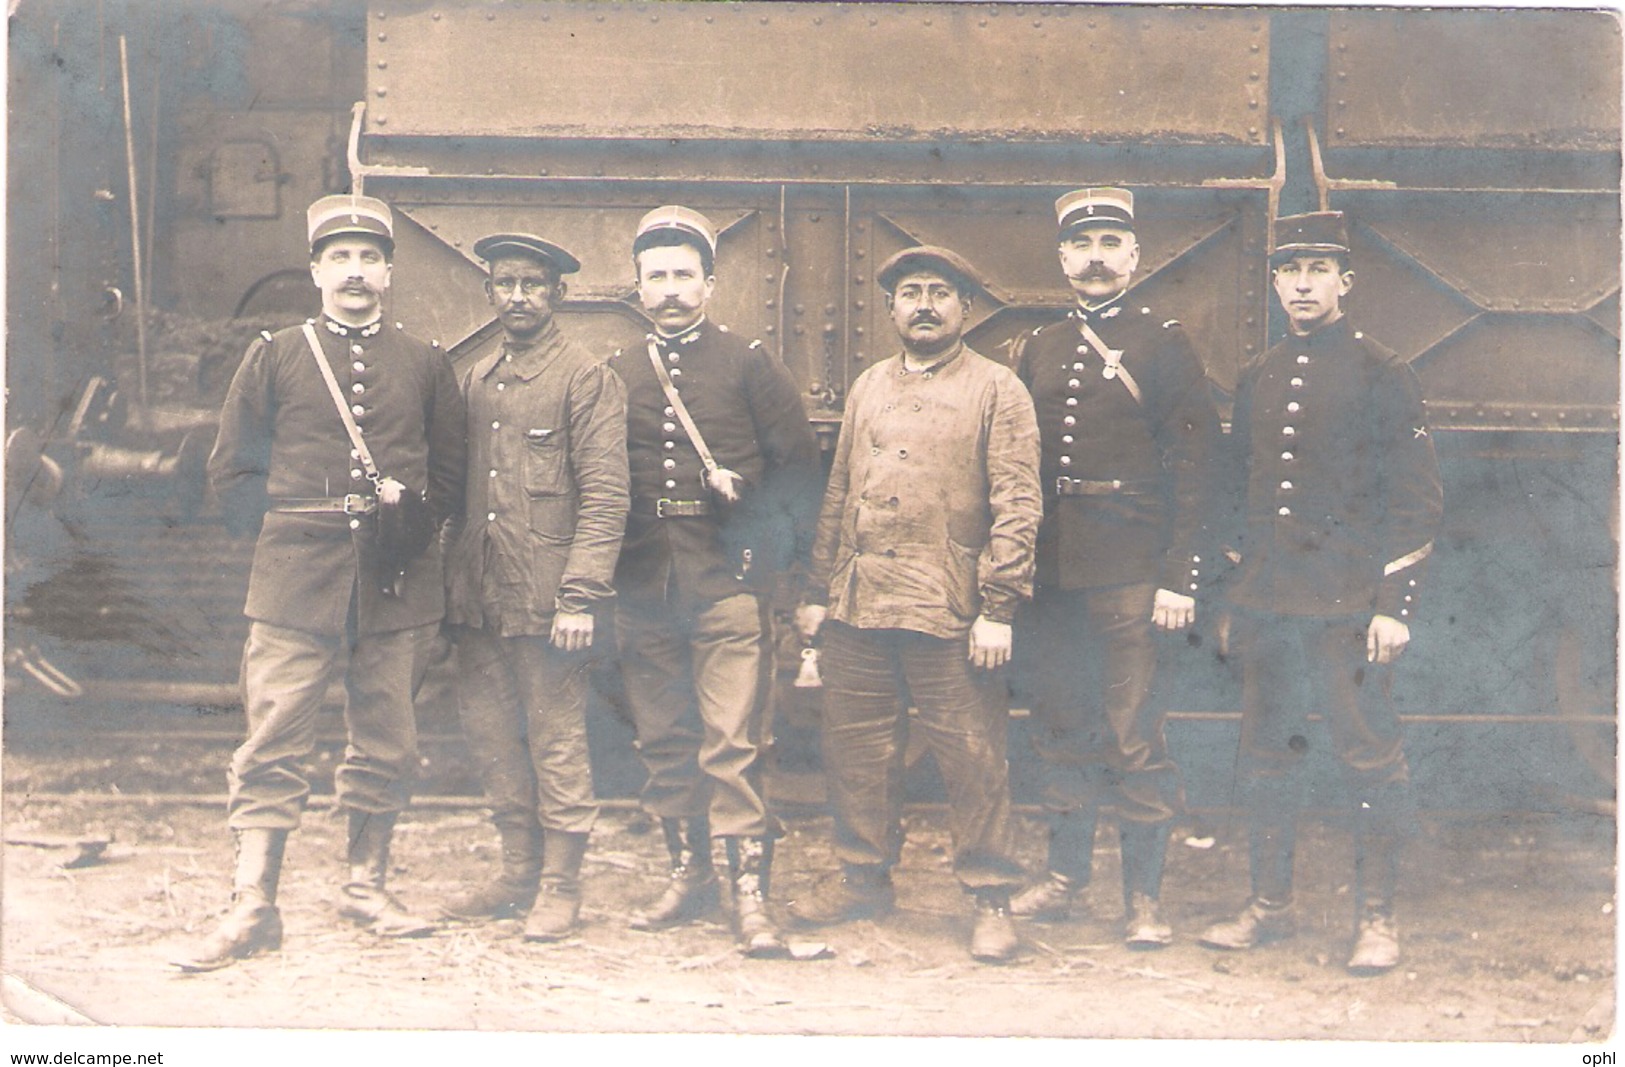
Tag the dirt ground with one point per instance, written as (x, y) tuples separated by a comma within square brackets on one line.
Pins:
[(1508, 926)]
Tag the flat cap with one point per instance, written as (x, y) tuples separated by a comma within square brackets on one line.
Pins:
[(683, 220), (1322, 232), (526, 244), (929, 257), (348, 213), (1095, 206)]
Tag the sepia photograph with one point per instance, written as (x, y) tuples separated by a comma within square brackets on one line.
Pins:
[(874, 520)]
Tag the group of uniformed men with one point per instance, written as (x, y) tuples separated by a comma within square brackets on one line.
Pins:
[(1069, 506)]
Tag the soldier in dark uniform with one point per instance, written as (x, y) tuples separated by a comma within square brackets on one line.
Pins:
[(1333, 530), (320, 590), (705, 533), (1129, 434), (529, 574)]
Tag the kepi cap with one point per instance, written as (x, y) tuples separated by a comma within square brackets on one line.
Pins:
[(930, 257), (1322, 232), (1095, 206), (526, 244), (683, 220), (348, 213)]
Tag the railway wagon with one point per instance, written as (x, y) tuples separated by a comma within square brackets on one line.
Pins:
[(162, 157)]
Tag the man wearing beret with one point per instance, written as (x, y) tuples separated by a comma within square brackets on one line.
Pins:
[(1332, 532), (314, 455), (924, 549), (529, 578), (1129, 435), (724, 472)]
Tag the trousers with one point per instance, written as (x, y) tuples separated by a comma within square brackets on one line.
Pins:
[(285, 674), (1088, 657), (523, 705), (697, 676), (870, 678), (1292, 666)]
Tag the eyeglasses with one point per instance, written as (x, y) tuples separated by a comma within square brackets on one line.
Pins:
[(512, 285)]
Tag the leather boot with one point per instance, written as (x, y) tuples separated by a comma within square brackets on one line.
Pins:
[(993, 937), (1376, 937), (854, 893), (1145, 850), (1260, 922), (363, 899), (692, 891), (1071, 862), (1267, 916), (558, 905), (513, 890), (750, 866), (253, 923), (1049, 900)]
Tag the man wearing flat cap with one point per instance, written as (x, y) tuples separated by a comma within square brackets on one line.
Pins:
[(529, 580), (724, 487), (330, 432), (1129, 436), (924, 549), (1336, 500)]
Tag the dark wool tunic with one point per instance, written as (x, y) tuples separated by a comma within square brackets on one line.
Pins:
[(281, 438)]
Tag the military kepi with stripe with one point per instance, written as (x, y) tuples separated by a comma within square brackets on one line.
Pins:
[(1095, 206), (349, 214)]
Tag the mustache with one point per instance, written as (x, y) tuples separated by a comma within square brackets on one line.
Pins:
[(1095, 272), (920, 318)]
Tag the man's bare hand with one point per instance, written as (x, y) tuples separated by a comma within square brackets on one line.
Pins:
[(810, 619), (990, 643), (1385, 639), (1173, 611), (572, 630)]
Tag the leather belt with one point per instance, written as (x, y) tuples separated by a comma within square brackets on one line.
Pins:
[(1086, 487), (666, 508), (349, 504)]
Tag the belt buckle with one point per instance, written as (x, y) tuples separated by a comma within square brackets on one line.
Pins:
[(357, 504), (660, 507)]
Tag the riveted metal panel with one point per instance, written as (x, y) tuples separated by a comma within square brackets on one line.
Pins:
[(776, 71), (1524, 372), (437, 275), (1201, 263), (1515, 79)]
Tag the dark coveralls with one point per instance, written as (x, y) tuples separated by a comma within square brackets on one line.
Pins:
[(690, 616), (1343, 501), (546, 507), (1125, 481), (315, 592)]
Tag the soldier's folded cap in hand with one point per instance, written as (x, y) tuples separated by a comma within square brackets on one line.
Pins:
[(494, 245), (945, 261), (1315, 233), (1095, 206), (342, 214)]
